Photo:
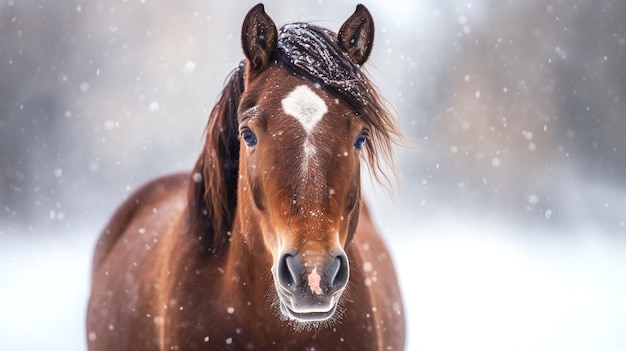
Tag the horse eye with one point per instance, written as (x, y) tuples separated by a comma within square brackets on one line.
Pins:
[(248, 137), (360, 140)]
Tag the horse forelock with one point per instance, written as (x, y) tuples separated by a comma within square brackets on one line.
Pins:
[(315, 53)]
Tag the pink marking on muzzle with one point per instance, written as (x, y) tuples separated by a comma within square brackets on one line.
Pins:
[(314, 282)]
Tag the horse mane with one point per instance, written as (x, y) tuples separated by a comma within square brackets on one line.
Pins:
[(213, 186), (316, 54)]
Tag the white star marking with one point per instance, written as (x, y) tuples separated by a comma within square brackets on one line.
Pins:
[(306, 106)]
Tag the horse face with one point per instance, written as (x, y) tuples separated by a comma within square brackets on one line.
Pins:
[(299, 178), (299, 165)]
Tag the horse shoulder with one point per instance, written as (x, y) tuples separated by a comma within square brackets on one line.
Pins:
[(128, 262), (146, 198)]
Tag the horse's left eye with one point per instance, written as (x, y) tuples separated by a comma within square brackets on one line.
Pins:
[(360, 140), (248, 137)]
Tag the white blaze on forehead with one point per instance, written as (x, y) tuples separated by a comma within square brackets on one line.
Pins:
[(306, 106)]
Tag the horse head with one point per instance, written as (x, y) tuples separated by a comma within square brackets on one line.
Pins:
[(299, 164)]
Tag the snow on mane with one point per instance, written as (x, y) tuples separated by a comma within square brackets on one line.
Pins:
[(316, 53)]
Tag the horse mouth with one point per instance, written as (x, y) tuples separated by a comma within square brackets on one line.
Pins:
[(307, 316), (306, 308)]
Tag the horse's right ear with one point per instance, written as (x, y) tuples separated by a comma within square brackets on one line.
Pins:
[(258, 38)]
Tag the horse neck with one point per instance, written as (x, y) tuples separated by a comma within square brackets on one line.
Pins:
[(248, 268)]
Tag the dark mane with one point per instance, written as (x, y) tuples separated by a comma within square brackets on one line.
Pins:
[(213, 185), (314, 53)]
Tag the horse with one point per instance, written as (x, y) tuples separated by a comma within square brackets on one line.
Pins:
[(266, 244)]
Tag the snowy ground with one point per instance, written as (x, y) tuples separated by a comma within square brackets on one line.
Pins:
[(44, 291), (478, 286), (469, 284)]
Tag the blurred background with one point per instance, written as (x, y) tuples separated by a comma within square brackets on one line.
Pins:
[(508, 226)]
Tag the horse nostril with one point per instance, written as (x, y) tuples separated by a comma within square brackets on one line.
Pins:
[(292, 274), (337, 271), (289, 269)]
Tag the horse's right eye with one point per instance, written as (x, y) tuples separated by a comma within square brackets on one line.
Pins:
[(248, 137)]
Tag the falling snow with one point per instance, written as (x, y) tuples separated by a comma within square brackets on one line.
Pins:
[(511, 204)]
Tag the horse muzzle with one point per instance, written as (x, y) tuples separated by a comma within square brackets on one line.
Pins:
[(310, 287)]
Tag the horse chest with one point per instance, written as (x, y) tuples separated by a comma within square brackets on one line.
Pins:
[(257, 336), (255, 326)]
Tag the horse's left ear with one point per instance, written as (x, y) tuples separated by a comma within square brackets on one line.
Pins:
[(356, 35), (258, 38)]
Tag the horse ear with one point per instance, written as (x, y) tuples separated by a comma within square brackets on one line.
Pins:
[(356, 35), (258, 38)]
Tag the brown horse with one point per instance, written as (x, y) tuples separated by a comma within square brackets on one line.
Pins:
[(266, 244)]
